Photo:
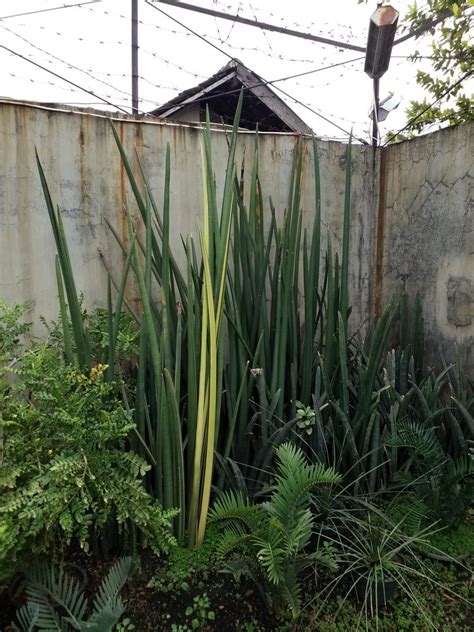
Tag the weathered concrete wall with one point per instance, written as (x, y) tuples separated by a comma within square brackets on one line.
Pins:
[(87, 180), (416, 234), (428, 236)]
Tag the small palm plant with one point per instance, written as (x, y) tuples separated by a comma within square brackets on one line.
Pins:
[(269, 541), (57, 602), (442, 485)]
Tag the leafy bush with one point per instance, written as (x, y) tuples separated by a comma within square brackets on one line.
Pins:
[(11, 330), (185, 565), (64, 471)]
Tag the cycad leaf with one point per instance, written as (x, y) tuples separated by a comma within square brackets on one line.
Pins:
[(28, 616), (233, 506), (294, 481), (423, 441), (271, 556), (112, 584), (106, 620), (49, 590)]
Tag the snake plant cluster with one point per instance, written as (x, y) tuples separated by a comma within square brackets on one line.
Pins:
[(249, 345)]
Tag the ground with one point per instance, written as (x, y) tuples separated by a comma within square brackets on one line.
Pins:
[(186, 589)]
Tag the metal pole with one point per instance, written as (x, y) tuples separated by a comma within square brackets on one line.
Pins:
[(135, 56), (375, 121)]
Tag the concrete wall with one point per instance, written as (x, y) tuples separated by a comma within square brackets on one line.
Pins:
[(417, 233), (428, 233)]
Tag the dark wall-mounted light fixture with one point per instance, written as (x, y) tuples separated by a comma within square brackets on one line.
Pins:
[(382, 29)]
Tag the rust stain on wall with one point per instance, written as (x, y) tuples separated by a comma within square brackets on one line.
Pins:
[(82, 166), (380, 236), (123, 194)]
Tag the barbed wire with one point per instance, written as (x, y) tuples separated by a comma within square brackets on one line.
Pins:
[(223, 41), (307, 27), (63, 61), (154, 103), (294, 99), (55, 74), (277, 56), (46, 10)]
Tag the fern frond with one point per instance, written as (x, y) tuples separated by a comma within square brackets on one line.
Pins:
[(409, 512), (415, 436), (272, 557), (291, 589), (300, 535), (234, 537), (323, 557), (458, 470)]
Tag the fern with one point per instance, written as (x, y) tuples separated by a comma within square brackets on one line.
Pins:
[(234, 507), (409, 512)]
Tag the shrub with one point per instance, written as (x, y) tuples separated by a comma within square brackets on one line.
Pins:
[(65, 473)]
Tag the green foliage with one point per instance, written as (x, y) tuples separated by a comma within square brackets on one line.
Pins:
[(55, 601), (126, 345), (64, 472), (183, 565), (402, 614), (269, 541), (452, 54), (457, 542), (200, 612), (125, 625), (305, 418), (11, 330), (444, 486), (237, 357), (379, 560)]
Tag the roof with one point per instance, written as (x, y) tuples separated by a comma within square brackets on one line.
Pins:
[(261, 106)]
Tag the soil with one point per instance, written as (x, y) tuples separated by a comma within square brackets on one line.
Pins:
[(238, 606)]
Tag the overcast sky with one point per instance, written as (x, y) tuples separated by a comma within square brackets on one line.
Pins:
[(90, 46)]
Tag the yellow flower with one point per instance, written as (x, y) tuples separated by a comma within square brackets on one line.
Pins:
[(98, 371), (50, 453)]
